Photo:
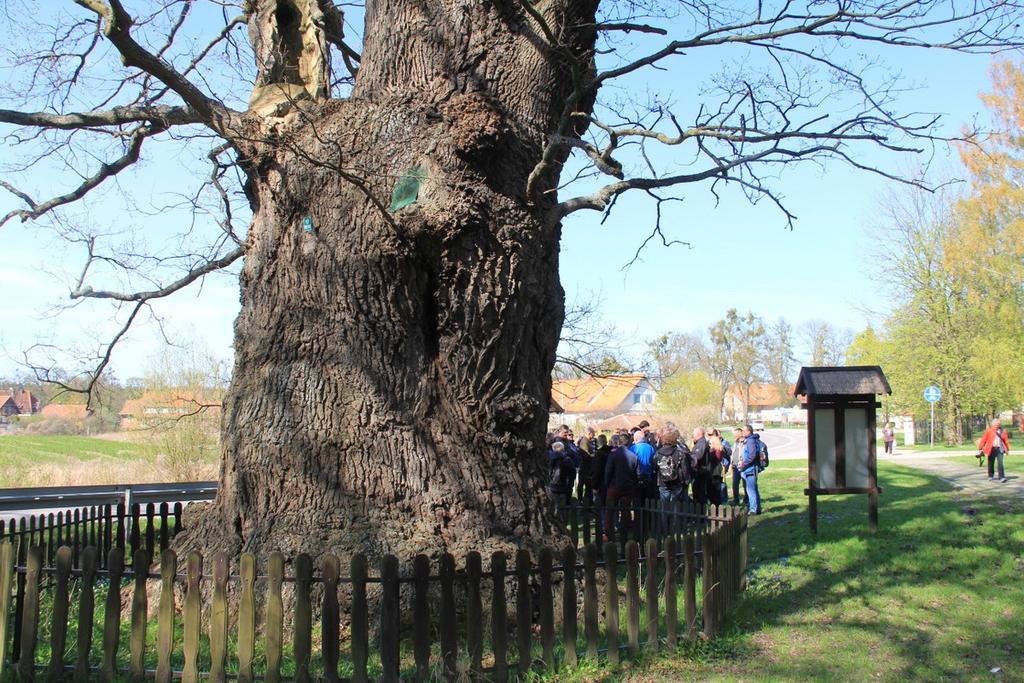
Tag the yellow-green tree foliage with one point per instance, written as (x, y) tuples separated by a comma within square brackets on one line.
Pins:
[(956, 265), (687, 390), (989, 247), (690, 397)]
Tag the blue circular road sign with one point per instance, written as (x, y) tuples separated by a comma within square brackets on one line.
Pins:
[(932, 394)]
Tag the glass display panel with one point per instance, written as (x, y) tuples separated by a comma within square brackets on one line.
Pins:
[(856, 433), (825, 446)]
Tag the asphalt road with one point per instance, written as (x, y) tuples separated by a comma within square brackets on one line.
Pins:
[(786, 444)]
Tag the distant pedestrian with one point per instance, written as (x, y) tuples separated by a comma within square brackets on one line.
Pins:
[(650, 436), (597, 485), (585, 446), (561, 473), (597, 467), (736, 465), (718, 492), (889, 437), (704, 466), (995, 444)]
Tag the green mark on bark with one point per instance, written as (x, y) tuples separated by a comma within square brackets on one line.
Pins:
[(407, 189)]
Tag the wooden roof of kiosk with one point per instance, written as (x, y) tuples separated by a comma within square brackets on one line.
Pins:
[(855, 380), (840, 403)]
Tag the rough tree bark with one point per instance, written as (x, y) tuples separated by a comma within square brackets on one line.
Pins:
[(392, 373)]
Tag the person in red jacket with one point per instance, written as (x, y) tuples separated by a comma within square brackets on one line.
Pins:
[(995, 444)]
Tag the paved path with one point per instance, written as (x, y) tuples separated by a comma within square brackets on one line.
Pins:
[(966, 477)]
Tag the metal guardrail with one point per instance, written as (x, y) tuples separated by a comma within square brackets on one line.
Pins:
[(45, 497)]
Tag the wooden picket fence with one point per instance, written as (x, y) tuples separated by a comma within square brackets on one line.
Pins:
[(446, 638), (641, 519)]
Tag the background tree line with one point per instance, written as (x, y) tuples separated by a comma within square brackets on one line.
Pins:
[(695, 369), (954, 262)]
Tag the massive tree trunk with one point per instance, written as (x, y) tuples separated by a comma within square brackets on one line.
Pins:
[(392, 375)]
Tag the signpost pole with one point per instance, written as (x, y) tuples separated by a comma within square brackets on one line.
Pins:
[(931, 428)]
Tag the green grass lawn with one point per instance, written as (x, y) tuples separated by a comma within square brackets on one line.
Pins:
[(922, 447), (1014, 462), (21, 453), (16, 449), (935, 595), (972, 461)]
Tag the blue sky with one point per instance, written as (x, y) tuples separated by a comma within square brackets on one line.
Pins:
[(745, 257), (740, 256)]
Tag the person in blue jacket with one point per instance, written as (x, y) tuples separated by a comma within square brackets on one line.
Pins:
[(750, 466), (644, 451)]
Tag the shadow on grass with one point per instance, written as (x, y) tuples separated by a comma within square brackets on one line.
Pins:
[(934, 594)]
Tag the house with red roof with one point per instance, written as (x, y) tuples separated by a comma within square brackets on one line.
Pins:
[(588, 399), (71, 412), (761, 397), (160, 407), (18, 402)]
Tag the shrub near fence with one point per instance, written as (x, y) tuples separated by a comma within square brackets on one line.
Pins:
[(442, 642)]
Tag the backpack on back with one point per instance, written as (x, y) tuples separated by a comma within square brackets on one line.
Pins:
[(762, 455), (555, 475), (561, 474), (667, 469), (672, 469)]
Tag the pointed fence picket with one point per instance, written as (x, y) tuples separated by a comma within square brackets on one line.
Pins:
[(448, 636)]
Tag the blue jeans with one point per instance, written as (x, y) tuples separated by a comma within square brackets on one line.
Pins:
[(753, 496), (993, 456), (736, 477), (672, 492)]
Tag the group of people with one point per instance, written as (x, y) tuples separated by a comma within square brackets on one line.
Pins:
[(647, 464)]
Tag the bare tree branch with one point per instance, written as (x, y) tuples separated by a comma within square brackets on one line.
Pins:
[(50, 376), (117, 25), (599, 200), (184, 281), (106, 171), (334, 30), (757, 123), (164, 115), (628, 27), (656, 231)]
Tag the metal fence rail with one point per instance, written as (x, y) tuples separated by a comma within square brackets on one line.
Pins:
[(46, 497)]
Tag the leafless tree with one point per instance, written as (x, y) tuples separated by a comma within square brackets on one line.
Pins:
[(590, 343), (778, 357), (825, 343)]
